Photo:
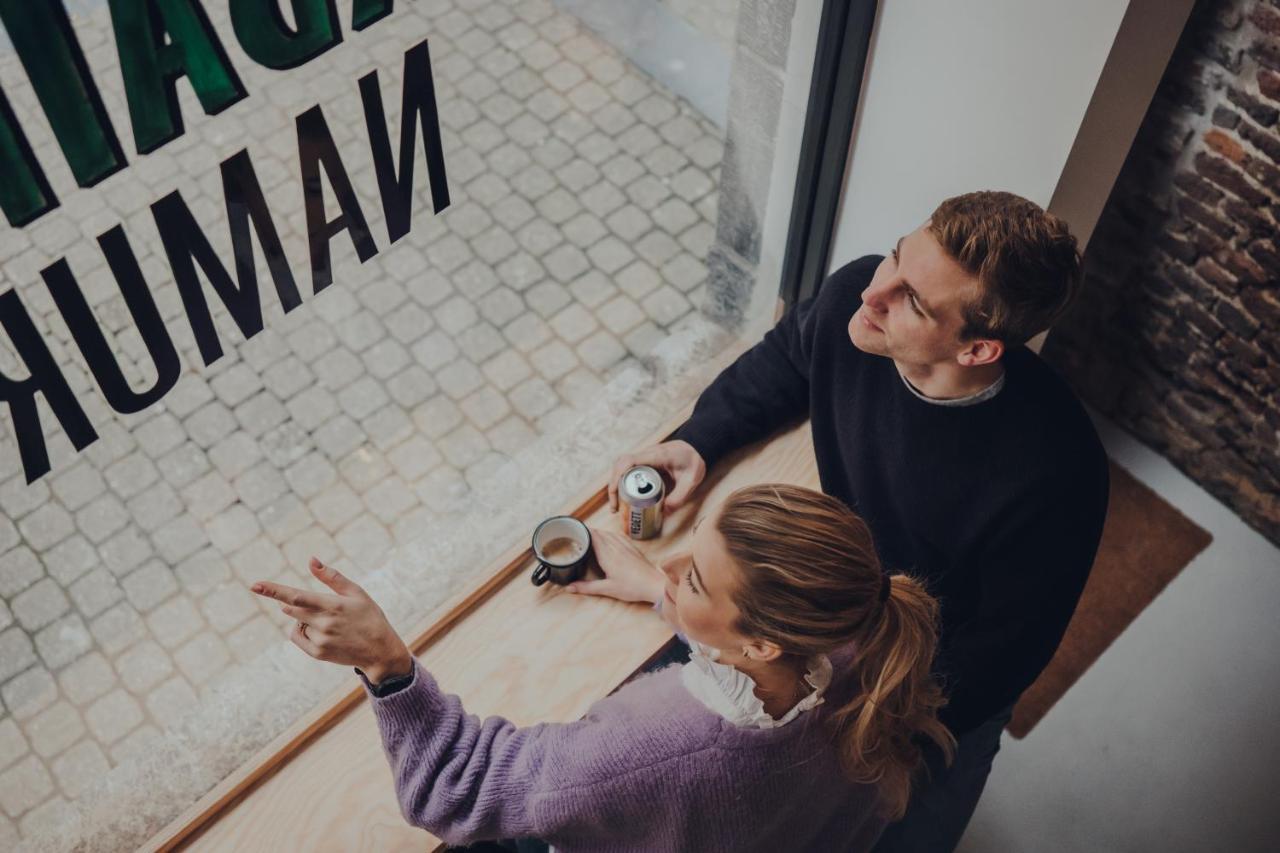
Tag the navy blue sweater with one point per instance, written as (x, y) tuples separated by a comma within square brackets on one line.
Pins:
[(997, 506)]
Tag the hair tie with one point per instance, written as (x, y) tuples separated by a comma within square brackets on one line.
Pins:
[(885, 584)]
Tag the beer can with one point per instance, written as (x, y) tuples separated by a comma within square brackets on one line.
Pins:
[(641, 492)]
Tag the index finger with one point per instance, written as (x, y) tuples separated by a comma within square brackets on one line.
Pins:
[(291, 595)]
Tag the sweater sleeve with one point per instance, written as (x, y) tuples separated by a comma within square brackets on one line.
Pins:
[(766, 387), (1033, 572), (465, 779)]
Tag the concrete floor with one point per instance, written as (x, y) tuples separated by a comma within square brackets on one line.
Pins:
[(1169, 742)]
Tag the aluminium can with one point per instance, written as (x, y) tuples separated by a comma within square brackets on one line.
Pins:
[(641, 492)]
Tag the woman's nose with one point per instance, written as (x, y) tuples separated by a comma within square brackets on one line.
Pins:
[(671, 567)]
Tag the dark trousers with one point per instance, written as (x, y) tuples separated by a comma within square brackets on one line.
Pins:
[(945, 799)]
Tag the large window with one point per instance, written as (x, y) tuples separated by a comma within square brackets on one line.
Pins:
[(435, 393)]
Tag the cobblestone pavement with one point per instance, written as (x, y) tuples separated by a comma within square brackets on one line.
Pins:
[(584, 200)]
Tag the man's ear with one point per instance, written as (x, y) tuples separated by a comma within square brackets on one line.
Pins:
[(979, 352)]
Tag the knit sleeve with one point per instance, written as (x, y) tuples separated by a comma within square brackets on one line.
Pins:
[(466, 779), (765, 388)]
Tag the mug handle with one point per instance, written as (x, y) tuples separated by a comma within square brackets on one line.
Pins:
[(541, 574)]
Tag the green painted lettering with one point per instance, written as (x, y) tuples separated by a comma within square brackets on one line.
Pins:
[(268, 39), (160, 41)]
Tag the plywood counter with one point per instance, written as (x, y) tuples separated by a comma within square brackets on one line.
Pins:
[(527, 653)]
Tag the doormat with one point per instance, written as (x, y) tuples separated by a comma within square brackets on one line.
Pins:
[(1145, 543)]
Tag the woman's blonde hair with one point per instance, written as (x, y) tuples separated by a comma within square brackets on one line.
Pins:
[(811, 583)]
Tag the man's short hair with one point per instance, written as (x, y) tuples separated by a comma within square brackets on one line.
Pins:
[(1026, 261)]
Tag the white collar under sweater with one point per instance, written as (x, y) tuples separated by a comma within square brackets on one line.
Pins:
[(731, 693)]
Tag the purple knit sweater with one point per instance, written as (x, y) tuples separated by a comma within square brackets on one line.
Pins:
[(647, 769)]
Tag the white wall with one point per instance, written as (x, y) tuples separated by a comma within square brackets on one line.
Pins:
[(965, 96)]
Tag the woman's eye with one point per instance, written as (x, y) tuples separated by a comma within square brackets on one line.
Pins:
[(688, 578), (915, 306)]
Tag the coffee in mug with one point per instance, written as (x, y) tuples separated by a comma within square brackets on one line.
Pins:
[(562, 545)]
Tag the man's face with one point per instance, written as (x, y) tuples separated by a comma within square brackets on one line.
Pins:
[(911, 311)]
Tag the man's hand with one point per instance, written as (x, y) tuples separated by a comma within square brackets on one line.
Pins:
[(628, 576), (676, 460), (347, 628)]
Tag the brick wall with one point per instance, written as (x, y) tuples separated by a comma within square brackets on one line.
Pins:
[(1177, 335)]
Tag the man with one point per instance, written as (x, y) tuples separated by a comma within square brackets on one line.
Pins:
[(972, 462)]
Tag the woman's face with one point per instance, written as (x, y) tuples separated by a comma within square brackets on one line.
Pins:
[(700, 585)]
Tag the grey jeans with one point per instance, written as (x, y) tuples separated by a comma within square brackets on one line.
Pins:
[(941, 806)]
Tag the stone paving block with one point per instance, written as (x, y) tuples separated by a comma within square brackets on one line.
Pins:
[(141, 741), (620, 314), (408, 323), (435, 350), (87, 678), (287, 378), (312, 340), (6, 616), (459, 378), (548, 298), (463, 446), (443, 489), (54, 729), (29, 692), (24, 786), (75, 487), (337, 369), (340, 436), (691, 184), (387, 427), (46, 526), (411, 386), (414, 457), (521, 270), (603, 199), (698, 239), (202, 572), (539, 237), (390, 499), (362, 398), (638, 280), (559, 205), (364, 540), (574, 323), (178, 467), (16, 652), (285, 444), (80, 768), (153, 506), (360, 331), (309, 475), (236, 384), (40, 604), (17, 497), (252, 638), (19, 568), (579, 388), (95, 592), (208, 496), (335, 506), (601, 351), (174, 621), (116, 714), (584, 230), (312, 542), (313, 407), (485, 407), (511, 210), (63, 641), (118, 628), (481, 341), (553, 360), (533, 397), (209, 425), (13, 744), (261, 413), (385, 358), (149, 585), (230, 529), (182, 537), (200, 660)]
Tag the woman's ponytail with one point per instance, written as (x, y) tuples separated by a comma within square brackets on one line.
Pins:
[(896, 704), (812, 584)]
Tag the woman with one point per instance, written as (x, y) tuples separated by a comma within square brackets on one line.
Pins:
[(796, 725)]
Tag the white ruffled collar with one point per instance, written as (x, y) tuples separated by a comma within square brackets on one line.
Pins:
[(731, 693)]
